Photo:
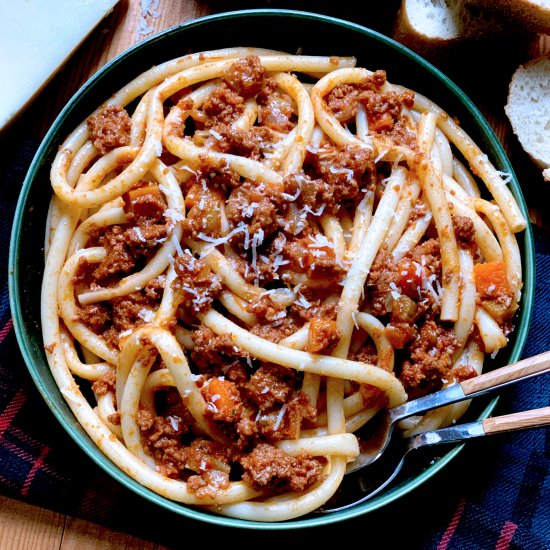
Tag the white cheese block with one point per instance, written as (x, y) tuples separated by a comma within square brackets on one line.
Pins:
[(37, 37)]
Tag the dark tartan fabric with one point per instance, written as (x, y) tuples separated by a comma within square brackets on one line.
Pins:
[(495, 495)]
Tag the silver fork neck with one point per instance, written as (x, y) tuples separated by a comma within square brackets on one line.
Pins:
[(451, 394), (451, 434)]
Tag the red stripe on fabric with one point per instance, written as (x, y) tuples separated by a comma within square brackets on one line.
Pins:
[(11, 410), (35, 467), (27, 456), (449, 532), (506, 536), (17, 451), (6, 330), (26, 438)]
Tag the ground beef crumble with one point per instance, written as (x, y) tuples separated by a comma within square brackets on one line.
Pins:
[(277, 110), (106, 384), (110, 319), (269, 467), (245, 76), (430, 361), (271, 385), (110, 128), (195, 283), (464, 231)]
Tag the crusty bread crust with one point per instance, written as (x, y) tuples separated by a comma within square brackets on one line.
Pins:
[(533, 15), (408, 34), (432, 28), (440, 29)]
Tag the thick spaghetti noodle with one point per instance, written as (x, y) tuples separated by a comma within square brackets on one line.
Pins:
[(249, 253)]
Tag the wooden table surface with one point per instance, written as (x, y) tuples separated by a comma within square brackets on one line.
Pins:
[(23, 526)]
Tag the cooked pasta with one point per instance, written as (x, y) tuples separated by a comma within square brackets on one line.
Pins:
[(250, 253)]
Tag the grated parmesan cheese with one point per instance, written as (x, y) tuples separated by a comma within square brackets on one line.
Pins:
[(320, 241), (396, 294), (381, 155), (280, 315), (506, 177), (279, 417), (148, 8), (279, 261), (292, 198), (307, 210), (174, 422), (146, 315), (428, 285), (301, 301), (348, 172), (192, 259), (173, 215), (177, 245), (241, 228), (140, 235)]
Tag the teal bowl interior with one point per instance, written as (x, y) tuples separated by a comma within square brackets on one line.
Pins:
[(286, 30)]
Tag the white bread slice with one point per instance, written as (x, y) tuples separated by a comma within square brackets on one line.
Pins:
[(528, 109), (533, 15), (430, 21)]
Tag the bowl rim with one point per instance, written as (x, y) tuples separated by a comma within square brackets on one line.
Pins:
[(83, 440)]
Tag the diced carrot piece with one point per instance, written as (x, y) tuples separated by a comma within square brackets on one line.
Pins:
[(133, 194), (193, 196), (399, 334), (491, 279), (322, 335), (223, 398), (500, 311)]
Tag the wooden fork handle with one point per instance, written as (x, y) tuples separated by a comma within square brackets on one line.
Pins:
[(505, 375), (536, 418)]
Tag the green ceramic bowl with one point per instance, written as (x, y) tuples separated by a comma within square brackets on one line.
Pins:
[(278, 29)]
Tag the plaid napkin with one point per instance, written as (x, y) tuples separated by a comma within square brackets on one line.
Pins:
[(494, 495)]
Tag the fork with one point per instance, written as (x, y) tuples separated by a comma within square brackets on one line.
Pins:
[(365, 484), (376, 434)]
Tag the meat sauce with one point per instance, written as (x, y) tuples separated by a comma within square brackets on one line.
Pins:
[(277, 243)]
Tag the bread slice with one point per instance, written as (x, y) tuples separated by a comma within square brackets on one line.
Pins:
[(533, 15), (528, 109), (427, 21), (429, 26)]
